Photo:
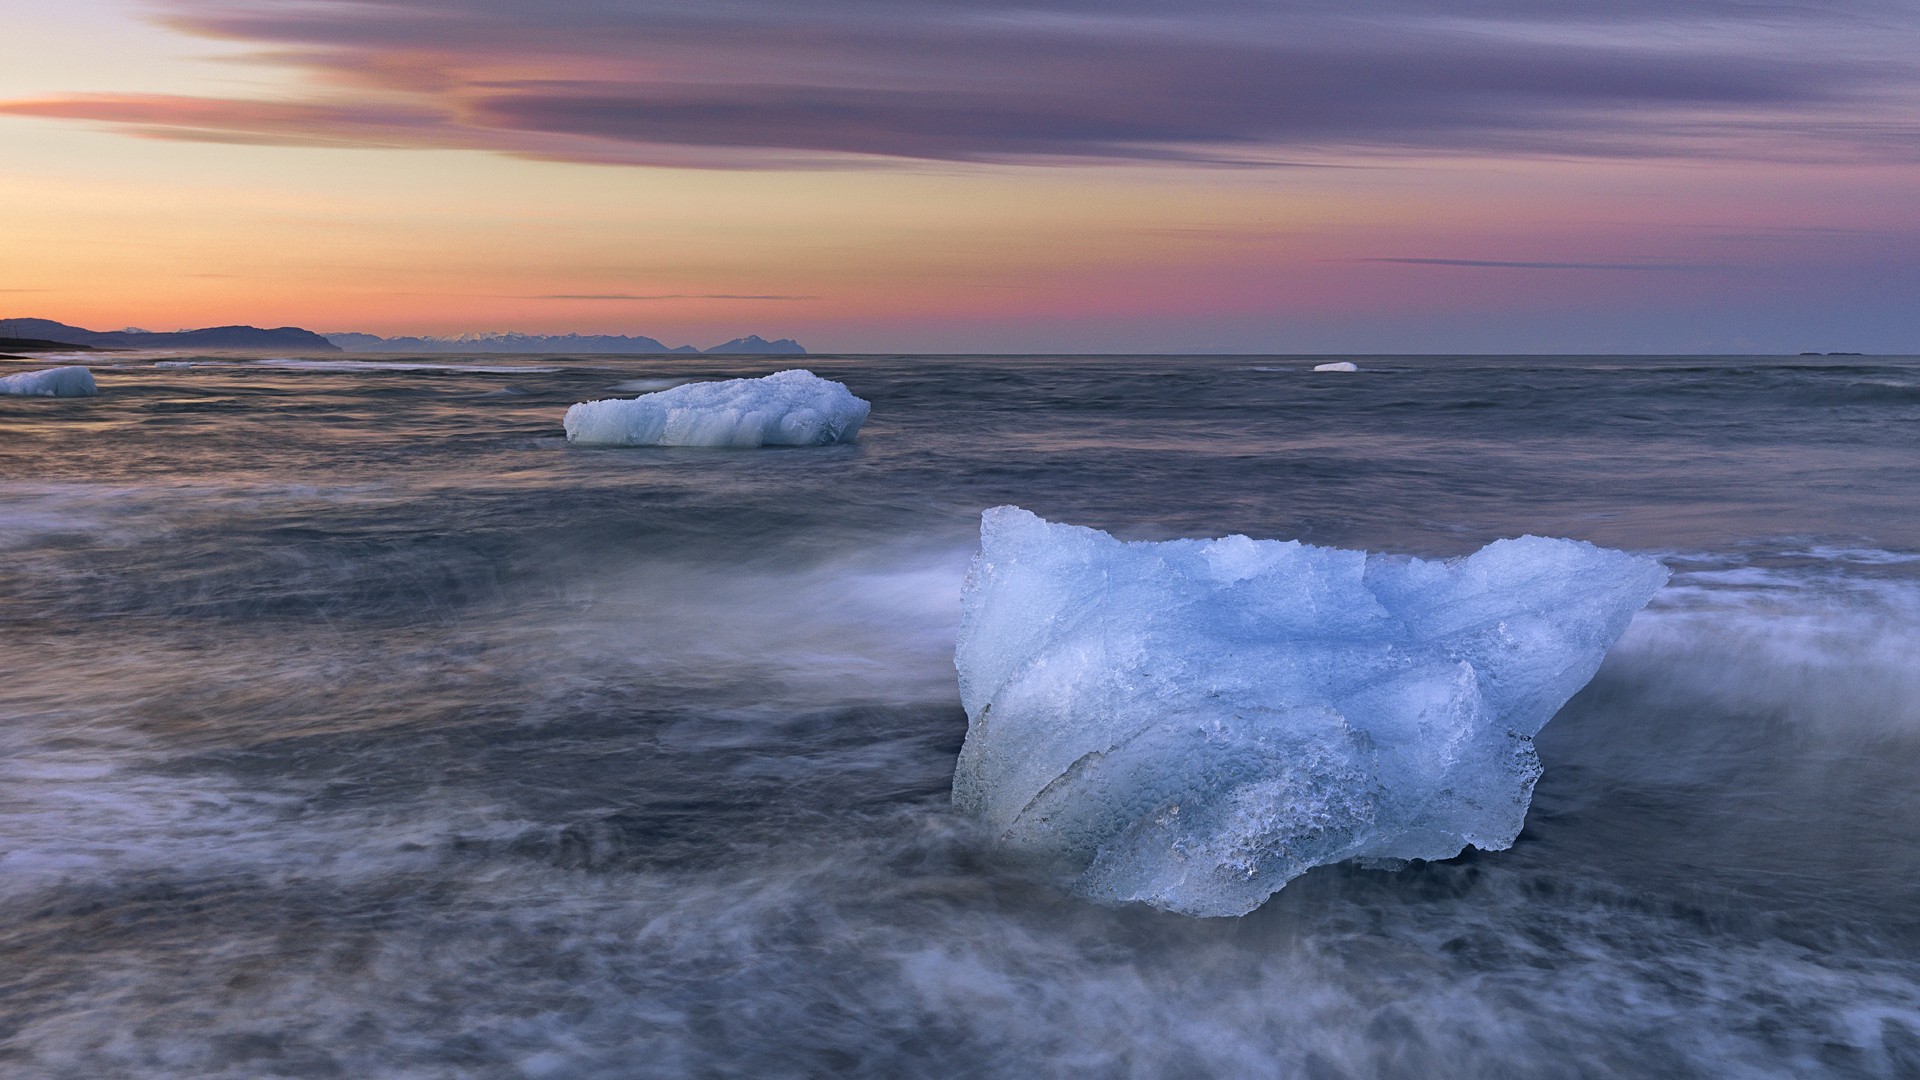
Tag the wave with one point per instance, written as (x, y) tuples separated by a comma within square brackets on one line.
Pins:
[(1828, 646), (696, 815), (349, 366)]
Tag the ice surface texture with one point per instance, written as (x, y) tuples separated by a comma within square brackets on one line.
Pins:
[(788, 408), (1192, 724), (53, 382)]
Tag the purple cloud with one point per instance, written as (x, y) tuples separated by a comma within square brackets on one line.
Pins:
[(758, 82)]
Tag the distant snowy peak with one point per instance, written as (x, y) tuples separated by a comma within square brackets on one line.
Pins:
[(513, 342)]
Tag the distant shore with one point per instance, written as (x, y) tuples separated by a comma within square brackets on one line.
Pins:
[(9, 346)]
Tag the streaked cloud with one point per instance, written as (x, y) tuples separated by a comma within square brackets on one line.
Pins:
[(1504, 264), (661, 296), (760, 83), (292, 123)]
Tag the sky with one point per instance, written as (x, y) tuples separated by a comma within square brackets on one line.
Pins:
[(1423, 176)]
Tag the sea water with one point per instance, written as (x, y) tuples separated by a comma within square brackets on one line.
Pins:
[(352, 723)]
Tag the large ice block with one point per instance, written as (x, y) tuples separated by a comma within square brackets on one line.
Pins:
[(1192, 724), (788, 408), (51, 382)]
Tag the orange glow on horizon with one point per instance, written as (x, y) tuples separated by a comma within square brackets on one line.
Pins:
[(106, 231)]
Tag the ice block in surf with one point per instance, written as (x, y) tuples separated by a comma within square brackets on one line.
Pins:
[(788, 408), (52, 382), (1192, 724)]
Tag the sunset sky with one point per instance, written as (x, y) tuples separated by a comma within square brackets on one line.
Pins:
[(940, 175)]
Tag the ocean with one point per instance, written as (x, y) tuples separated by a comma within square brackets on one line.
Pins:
[(353, 724)]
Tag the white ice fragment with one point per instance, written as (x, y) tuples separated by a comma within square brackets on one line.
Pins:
[(1341, 365), (1192, 724), (52, 382), (788, 408)]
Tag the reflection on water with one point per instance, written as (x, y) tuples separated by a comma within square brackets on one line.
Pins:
[(356, 726)]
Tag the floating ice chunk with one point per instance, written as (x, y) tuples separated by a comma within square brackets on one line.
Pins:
[(52, 382), (788, 408), (1340, 365), (1192, 724)]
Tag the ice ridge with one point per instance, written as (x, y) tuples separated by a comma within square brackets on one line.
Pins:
[(1192, 724), (787, 408)]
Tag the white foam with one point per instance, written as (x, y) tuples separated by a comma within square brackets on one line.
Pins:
[(1829, 652), (648, 386), (788, 408), (52, 382), (1192, 724)]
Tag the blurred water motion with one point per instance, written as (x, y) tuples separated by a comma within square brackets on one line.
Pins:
[(355, 725)]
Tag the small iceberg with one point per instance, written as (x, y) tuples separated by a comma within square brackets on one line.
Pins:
[(787, 408), (1192, 724), (1340, 365), (52, 382)]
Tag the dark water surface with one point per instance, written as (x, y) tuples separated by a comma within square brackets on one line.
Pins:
[(352, 724)]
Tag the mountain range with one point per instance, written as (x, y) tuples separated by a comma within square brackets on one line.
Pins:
[(752, 344), (282, 339), (44, 332)]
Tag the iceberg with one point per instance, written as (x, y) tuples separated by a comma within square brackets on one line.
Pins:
[(52, 382), (1338, 365), (1192, 724), (787, 408)]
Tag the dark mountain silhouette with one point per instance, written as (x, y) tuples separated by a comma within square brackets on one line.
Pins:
[(278, 339), (755, 345), (576, 344), (46, 335), (35, 345), (506, 343)]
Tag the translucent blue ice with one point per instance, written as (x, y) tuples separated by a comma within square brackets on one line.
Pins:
[(1192, 724), (52, 382), (788, 408)]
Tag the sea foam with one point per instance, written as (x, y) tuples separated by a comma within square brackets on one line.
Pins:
[(52, 382), (787, 408), (1192, 724)]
